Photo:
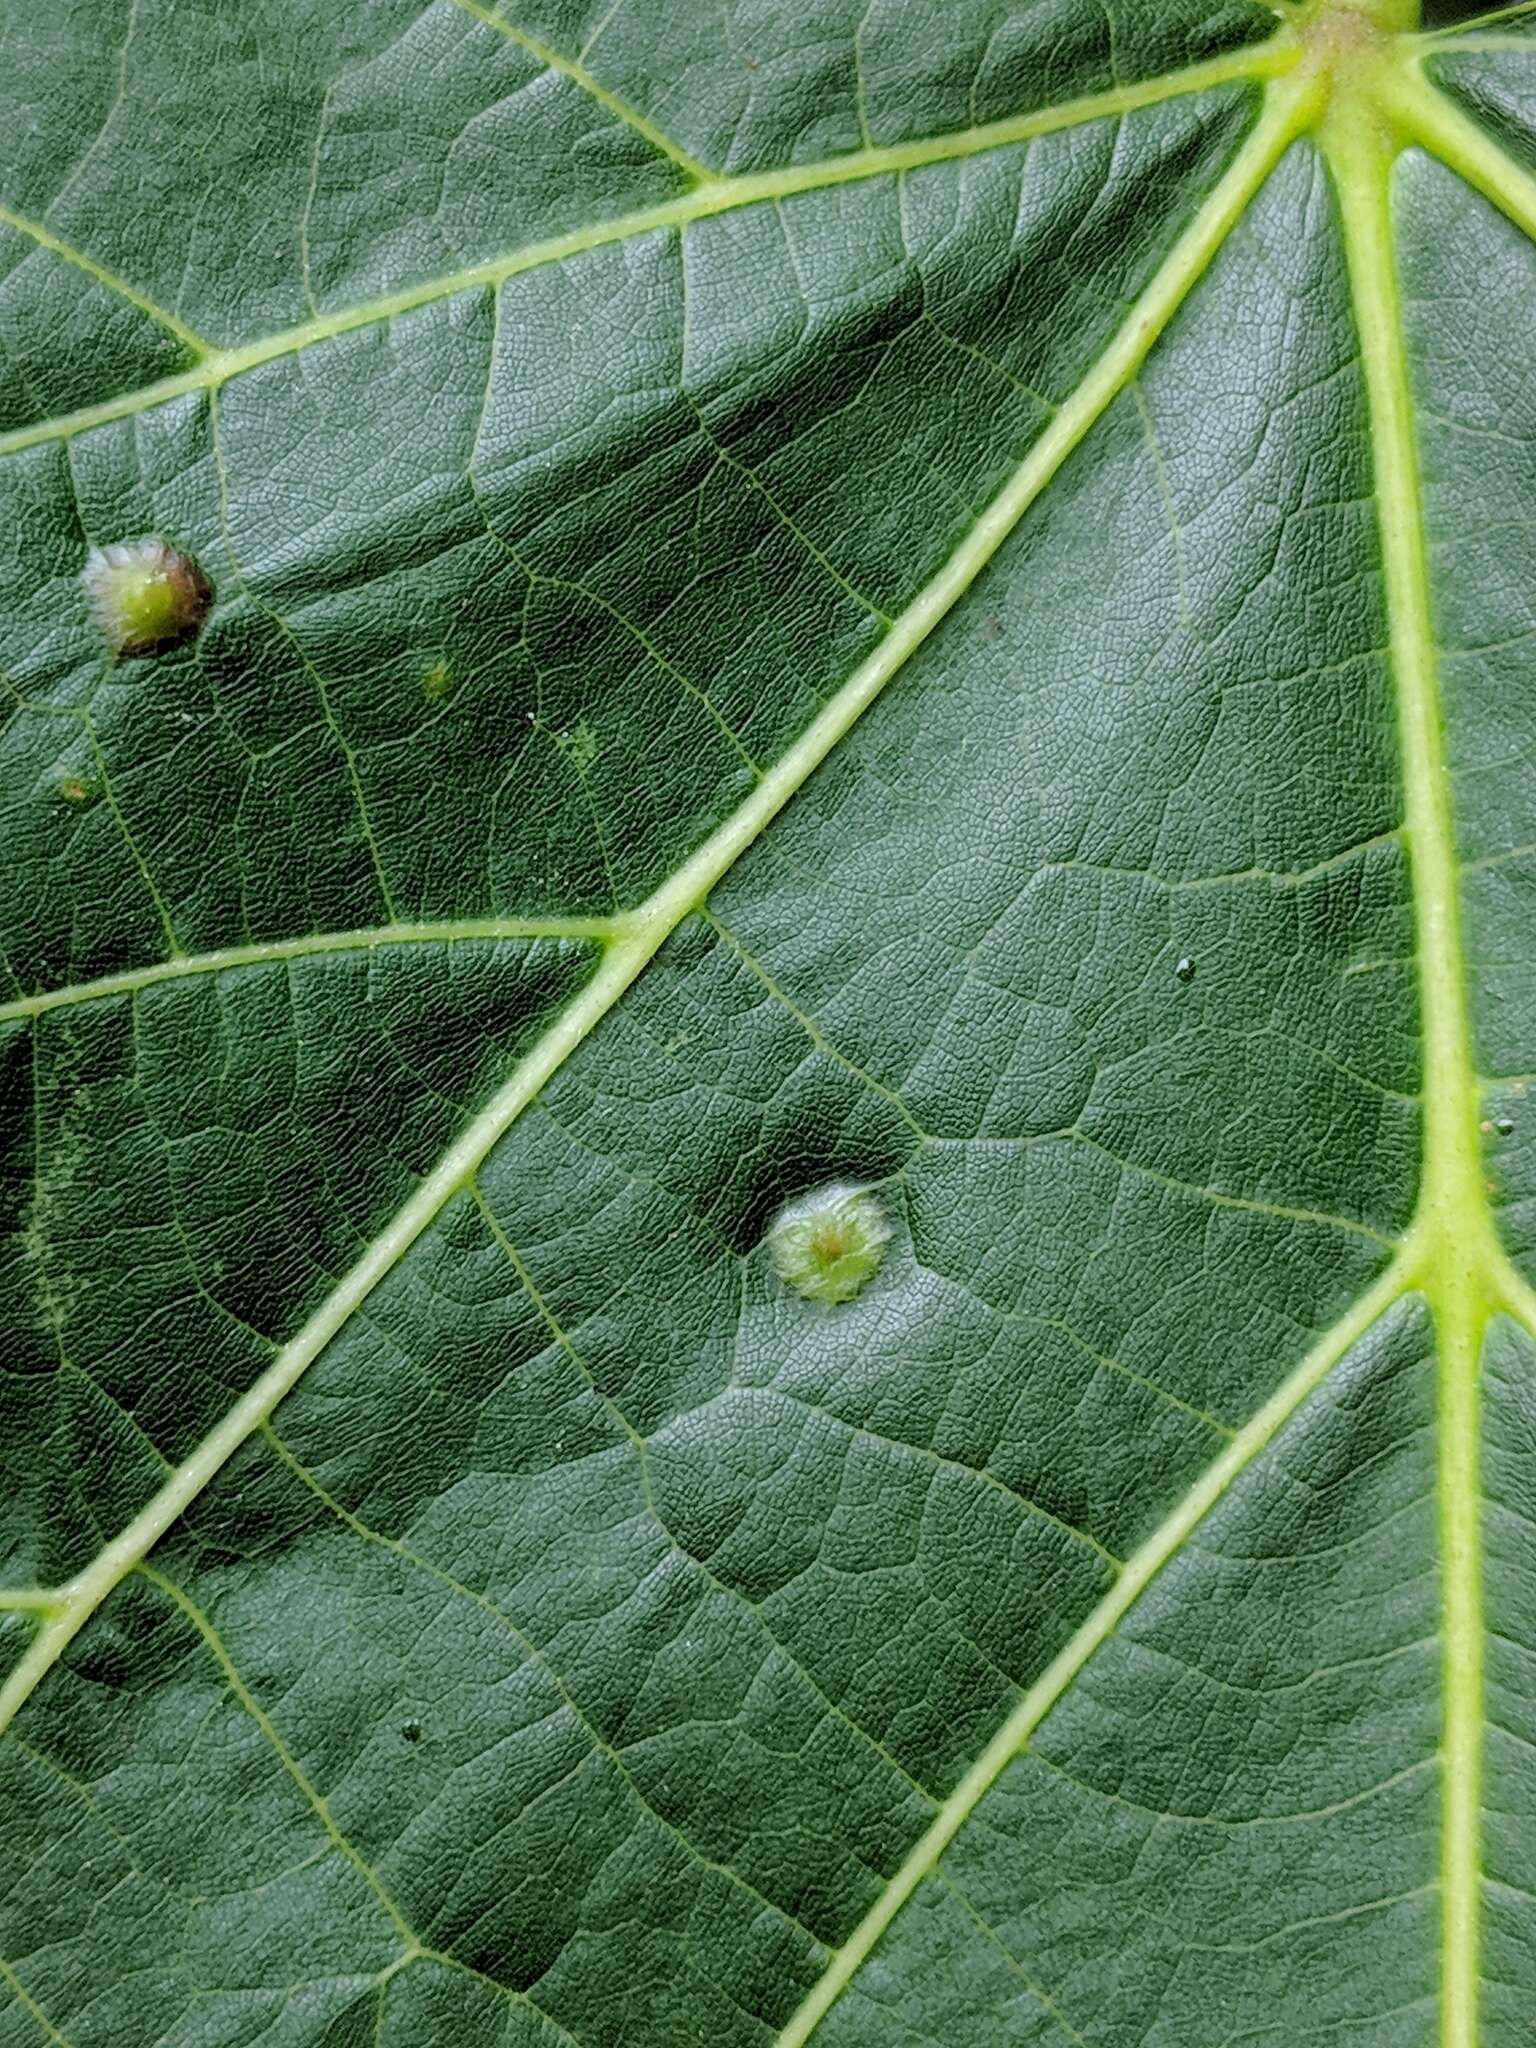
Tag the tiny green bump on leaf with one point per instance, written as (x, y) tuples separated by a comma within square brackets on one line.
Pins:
[(828, 1245), (147, 596), (438, 682), (579, 745)]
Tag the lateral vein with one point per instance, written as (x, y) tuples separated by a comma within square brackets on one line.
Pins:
[(718, 195), (685, 892), (184, 966), (573, 69), (924, 1857), (30, 2005), (601, 1744), (1427, 117), (107, 279), (1466, 34)]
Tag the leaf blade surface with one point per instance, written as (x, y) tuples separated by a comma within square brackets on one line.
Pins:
[(791, 681)]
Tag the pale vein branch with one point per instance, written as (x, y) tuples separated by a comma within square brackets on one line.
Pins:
[(540, 1658), (185, 966), (107, 279), (1164, 1544), (573, 69), (31, 2007), (313, 1797), (649, 927), (1428, 118), (1465, 34), (721, 195)]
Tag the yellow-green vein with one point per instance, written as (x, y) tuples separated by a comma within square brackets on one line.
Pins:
[(573, 69), (449, 931), (923, 1858), (1452, 1238), (413, 1948), (107, 279), (647, 928), (30, 2006), (1426, 116), (1265, 61)]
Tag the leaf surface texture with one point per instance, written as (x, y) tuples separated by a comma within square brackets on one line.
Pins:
[(933, 600)]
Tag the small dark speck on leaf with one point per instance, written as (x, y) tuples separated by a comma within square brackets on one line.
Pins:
[(1503, 1125), (411, 1730), (1184, 968)]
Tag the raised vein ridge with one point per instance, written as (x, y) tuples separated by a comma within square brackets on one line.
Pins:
[(573, 69), (1366, 113), (185, 966), (1140, 1570), (108, 279), (714, 195), (1454, 1227), (648, 927)]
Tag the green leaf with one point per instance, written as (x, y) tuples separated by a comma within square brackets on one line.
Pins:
[(912, 615)]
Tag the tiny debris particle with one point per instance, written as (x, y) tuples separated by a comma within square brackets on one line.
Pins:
[(1184, 969), (146, 595), (828, 1245), (1504, 1125), (411, 1730)]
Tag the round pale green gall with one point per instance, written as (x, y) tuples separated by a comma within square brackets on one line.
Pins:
[(828, 1245), (146, 595)]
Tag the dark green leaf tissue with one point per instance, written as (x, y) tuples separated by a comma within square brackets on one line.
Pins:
[(767, 1024)]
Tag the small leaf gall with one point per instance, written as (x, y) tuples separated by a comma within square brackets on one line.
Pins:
[(147, 597), (828, 1245)]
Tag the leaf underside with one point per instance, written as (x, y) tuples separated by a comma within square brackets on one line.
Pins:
[(930, 598)]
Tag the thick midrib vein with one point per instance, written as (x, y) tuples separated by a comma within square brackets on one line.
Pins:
[(722, 195), (1459, 1250), (1452, 1233), (1451, 1252), (646, 929)]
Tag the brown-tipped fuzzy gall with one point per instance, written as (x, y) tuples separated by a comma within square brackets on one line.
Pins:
[(146, 596)]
